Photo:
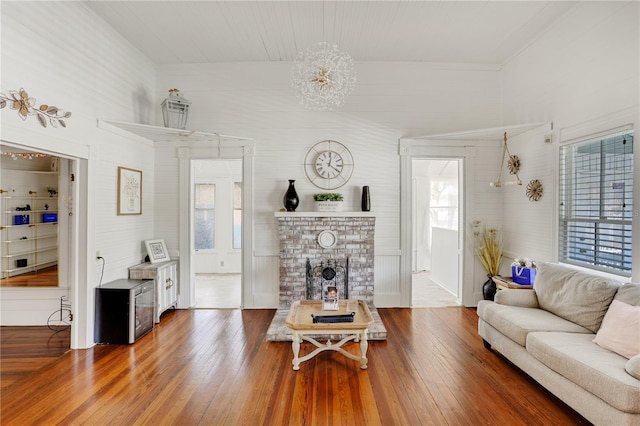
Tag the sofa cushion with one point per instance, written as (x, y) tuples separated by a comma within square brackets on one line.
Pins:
[(516, 322), (633, 366), (620, 330), (629, 293), (591, 367), (517, 297), (574, 295)]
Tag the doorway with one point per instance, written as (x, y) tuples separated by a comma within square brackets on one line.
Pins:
[(47, 257), (216, 237), (436, 195), (29, 190)]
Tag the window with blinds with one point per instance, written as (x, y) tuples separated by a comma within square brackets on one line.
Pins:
[(596, 203)]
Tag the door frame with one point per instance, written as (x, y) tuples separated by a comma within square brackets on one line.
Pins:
[(422, 148), (459, 179), (227, 150), (77, 268)]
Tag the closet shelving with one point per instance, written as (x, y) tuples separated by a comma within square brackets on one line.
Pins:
[(29, 222)]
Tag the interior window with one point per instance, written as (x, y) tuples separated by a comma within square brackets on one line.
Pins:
[(237, 215), (596, 203), (204, 224)]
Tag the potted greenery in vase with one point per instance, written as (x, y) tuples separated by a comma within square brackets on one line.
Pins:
[(328, 202), (489, 250)]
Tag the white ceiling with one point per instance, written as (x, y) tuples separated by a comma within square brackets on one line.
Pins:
[(479, 32)]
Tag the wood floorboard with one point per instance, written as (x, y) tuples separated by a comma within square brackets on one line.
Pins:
[(215, 367), (47, 277), (24, 350)]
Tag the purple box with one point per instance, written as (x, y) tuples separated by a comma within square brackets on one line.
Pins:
[(21, 219), (523, 275), (49, 217)]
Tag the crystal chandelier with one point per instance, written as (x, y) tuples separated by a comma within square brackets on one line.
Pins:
[(323, 76)]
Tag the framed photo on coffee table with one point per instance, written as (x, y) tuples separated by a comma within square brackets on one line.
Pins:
[(330, 299)]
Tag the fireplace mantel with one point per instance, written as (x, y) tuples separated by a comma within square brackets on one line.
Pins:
[(298, 234), (324, 214)]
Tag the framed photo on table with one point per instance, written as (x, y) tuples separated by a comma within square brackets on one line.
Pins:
[(157, 251), (129, 191), (330, 298)]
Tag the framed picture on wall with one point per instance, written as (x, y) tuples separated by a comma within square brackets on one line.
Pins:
[(157, 251), (129, 191)]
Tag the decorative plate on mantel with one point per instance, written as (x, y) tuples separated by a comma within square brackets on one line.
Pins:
[(327, 239)]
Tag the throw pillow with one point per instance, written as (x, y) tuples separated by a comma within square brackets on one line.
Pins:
[(633, 366), (574, 295), (629, 293), (620, 330)]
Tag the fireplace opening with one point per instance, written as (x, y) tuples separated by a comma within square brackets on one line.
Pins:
[(329, 273)]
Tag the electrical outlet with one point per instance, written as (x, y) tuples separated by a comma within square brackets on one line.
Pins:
[(222, 263), (98, 254)]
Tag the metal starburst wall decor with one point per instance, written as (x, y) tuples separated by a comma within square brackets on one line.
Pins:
[(20, 101), (534, 190)]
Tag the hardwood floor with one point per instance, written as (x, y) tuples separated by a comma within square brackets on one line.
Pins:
[(214, 367), (47, 277), (24, 350)]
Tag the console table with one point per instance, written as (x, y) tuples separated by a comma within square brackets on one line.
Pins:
[(300, 321), (165, 275)]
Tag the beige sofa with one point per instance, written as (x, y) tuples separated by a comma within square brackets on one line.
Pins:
[(548, 332)]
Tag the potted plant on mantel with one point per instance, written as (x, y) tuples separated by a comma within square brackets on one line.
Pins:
[(328, 202)]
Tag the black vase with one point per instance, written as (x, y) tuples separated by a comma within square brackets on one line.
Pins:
[(489, 288), (366, 199), (290, 199)]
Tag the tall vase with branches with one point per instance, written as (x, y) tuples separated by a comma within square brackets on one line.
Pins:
[(488, 245)]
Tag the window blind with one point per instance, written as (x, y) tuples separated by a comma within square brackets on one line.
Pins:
[(596, 203)]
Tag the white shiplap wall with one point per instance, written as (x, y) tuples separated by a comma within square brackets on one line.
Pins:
[(65, 56), (582, 73), (391, 100), (584, 68)]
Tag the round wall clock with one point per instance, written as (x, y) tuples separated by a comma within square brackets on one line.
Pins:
[(328, 164)]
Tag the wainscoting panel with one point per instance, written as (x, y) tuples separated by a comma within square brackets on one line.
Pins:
[(26, 307), (265, 281), (387, 278)]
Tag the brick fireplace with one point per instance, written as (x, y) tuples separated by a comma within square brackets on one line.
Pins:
[(317, 238)]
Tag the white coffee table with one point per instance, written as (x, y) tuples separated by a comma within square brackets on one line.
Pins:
[(300, 321)]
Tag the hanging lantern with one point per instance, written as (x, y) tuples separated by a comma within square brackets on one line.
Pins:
[(175, 110)]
